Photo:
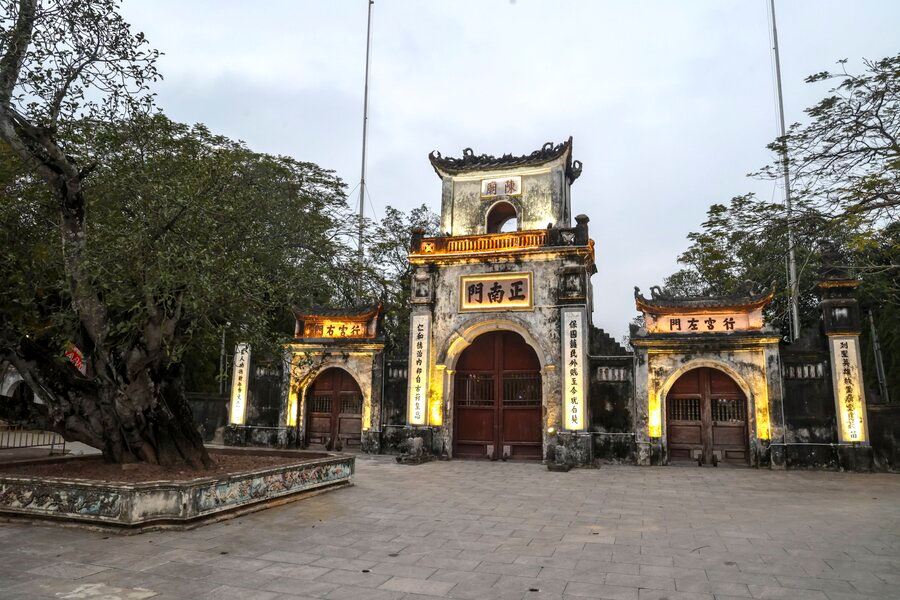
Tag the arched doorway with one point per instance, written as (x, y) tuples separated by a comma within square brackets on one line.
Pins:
[(502, 218), (706, 418), (334, 408), (497, 399)]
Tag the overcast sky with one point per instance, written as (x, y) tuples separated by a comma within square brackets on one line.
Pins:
[(670, 103)]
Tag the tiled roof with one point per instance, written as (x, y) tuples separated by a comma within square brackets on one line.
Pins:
[(366, 311), (755, 297), (485, 162)]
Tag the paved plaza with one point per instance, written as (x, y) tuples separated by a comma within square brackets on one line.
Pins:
[(474, 530)]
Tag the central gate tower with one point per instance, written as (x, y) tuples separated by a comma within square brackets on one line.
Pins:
[(501, 310)]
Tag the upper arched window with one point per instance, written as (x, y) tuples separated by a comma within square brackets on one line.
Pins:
[(502, 218)]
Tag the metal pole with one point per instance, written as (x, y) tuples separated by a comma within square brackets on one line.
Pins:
[(879, 363), (362, 175), (792, 263)]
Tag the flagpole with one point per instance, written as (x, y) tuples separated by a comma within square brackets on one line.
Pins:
[(792, 262), (362, 176)]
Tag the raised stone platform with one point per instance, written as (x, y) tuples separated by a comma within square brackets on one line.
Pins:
[(171, 504)]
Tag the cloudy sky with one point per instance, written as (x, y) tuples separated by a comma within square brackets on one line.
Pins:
[(670, 103)]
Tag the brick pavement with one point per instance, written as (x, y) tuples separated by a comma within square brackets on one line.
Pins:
[(472, 530)]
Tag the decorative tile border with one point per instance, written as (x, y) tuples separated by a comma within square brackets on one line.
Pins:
[(171, 502)]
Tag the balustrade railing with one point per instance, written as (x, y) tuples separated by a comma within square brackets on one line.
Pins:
[(15, 436), (483, 243), (501, 242)]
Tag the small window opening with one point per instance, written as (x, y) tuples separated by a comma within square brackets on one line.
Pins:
[(502, 218)]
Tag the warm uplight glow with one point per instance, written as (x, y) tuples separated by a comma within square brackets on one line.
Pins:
[(419, 354), (328, 328), (240, 381), (848, 391), (367, 416), (551, 431), (435, 397), (489, 243), (573, 350), (763, 428), (654, 415), (496, 291)]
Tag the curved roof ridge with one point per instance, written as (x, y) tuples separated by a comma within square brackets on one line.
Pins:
[(755, 297), (486, 162)]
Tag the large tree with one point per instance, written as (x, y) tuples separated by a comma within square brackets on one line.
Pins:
[(389, 270), (132, 237)]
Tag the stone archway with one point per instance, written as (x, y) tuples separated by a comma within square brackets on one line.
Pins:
[(448, 360), (497, 399), (706, 418), (696, 413), (334, 409), (501, 217)]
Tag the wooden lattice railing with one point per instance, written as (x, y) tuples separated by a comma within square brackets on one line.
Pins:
[(491, 242)]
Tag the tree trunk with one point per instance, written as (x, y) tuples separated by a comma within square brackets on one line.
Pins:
[(147, 419)]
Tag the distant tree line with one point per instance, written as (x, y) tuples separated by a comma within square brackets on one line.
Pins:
[(139, 240), (844, 166)]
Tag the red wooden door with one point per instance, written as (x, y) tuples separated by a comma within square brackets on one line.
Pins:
[(334, 406), (706, 416), (497, 399)]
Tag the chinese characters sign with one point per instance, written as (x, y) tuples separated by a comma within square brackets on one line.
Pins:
[(240, 380), (419, 346), (848, 391), (573, 349), (495, 291), (698, 323), (506, 186), (335, 329)]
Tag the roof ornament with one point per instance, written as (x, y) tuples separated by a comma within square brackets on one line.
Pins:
[(470, 161)]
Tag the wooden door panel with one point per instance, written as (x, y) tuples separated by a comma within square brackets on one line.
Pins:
[(706, 415), (728, 436), (497, 398), (475, 425), (683, 433), (530, 451), (521, 425), (334, 403)]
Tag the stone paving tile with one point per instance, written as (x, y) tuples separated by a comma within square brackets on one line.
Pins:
[(294, 571), (408, 585), (66, 570), (496, 531)]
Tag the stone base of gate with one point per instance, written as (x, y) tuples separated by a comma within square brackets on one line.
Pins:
[(262, 437), (393, 438), (572, 448), (836, 457), (370, 442)]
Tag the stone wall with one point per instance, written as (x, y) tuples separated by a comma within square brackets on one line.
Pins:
[(544, 200), (750, 360), (452, 331), (363, 361), (884, 433), (393, 413)]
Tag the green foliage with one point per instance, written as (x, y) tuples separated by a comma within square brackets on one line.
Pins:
[(844, 165), (389, 269), (177, 216)]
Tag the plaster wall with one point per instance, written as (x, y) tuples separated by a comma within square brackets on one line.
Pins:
[(452, 331), (362, 361), (754, 366), (544, 199)]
